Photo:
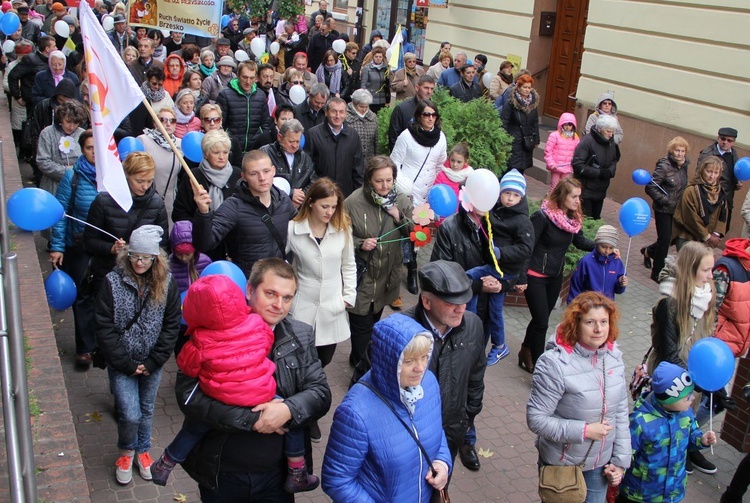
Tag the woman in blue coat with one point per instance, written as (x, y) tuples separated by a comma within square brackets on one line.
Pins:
[(371, 456)]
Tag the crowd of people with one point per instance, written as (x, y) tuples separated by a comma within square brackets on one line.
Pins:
[(324, 257)]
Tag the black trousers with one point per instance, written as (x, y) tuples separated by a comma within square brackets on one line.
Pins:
[(361, 328), (238, 487), (541, 295), (593, 208), (659, 250), (325, 354), (738, 487)]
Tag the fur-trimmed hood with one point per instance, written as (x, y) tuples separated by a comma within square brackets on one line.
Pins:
[(520, 106)]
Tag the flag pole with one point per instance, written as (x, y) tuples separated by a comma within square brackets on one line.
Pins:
[(175, 150)]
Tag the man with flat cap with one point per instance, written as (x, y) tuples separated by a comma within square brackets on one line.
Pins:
[(723, 149), (458, 360)]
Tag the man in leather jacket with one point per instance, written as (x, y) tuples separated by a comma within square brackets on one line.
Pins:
[(243, 454)]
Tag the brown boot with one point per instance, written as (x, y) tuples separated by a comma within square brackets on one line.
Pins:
[(525, 361), (398, 303)]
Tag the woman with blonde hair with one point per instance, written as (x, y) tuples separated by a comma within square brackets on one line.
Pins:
[(168, 165), (130, 53)]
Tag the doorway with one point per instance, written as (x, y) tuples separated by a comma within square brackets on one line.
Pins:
[(567, 53)]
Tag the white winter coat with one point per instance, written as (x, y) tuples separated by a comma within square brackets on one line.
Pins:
[(408, 156), (327, 278)]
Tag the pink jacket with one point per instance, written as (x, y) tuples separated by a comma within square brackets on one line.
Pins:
[(181, 130), (443, 178), (559, 150), (229, 348)]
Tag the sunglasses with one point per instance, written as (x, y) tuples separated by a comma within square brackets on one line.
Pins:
[(212, 120), (297, 82), (167, 120), (727, 139), (140, 258), (429, 114)]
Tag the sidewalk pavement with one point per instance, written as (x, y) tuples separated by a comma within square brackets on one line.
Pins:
[(509, 474)]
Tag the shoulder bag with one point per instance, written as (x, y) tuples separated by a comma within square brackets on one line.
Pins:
[(97, 356), (565, 484), (440, 496)]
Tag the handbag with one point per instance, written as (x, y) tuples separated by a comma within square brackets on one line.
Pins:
[(440, 496), (97, 355), (640, 381), (565, 484)]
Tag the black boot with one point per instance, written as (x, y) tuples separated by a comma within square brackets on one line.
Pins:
[(411, 278)]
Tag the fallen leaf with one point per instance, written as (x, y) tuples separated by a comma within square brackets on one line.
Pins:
[(485, 453), (95, 416), (180, 498)]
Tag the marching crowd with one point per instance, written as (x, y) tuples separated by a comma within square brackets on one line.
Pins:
[(324, 256)]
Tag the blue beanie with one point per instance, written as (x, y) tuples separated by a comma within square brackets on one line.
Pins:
[(671, 383), (513, 180)]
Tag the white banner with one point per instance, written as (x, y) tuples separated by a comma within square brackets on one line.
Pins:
[(192, 17)]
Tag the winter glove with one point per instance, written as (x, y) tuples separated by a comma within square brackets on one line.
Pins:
[(723, 402), (604, 174)]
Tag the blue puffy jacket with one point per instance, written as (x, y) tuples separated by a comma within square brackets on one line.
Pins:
[(597, 273), (370, 456), (64, 230)]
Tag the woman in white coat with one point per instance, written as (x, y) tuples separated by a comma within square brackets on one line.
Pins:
[(320, 246)]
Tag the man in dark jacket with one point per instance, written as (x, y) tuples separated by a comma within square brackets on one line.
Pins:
[(244, 108), (290, 161), (253, 221), (29, 31), (336, 149), (21, 77), (119, 35), (467, 88), (403, 113), (458, 360), (243, 453), (139, 66), (310, 112), (321, 42), (322, 11), (722, 148)]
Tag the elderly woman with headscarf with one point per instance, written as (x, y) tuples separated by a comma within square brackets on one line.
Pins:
[(46, 80), (363, 121)]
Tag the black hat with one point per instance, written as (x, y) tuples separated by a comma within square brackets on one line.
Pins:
[(447, 280), (66, 88), (223, 41), (728, 131), (23, 10)]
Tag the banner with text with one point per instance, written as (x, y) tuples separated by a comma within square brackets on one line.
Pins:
[(192, 17)]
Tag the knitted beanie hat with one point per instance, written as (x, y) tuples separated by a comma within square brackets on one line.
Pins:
[(607, 235), (671, 383), (513, 180), (146, 239)]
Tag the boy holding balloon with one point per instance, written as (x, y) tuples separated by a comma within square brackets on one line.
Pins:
[(657, 472)]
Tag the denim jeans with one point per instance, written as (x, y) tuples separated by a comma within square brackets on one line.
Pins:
[(596, 486), (134, 396), (495, 320), (239, 487)]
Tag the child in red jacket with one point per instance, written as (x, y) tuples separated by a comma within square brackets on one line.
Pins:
[(228, 353)]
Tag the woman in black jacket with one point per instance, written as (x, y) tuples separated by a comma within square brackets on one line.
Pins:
[(137, 322), (521, 120), (669, 181), (557, 224), (594, 164)]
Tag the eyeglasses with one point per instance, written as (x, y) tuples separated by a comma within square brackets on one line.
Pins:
[(728, 139), (298, 82), (167, 120), (429, 114), (141, 258), (212, 120)]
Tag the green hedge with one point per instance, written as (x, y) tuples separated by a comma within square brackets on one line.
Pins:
[(477, 123)]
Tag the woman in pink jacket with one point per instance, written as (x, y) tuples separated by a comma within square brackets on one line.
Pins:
[(560, 147)]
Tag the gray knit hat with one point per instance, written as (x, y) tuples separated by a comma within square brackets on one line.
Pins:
[(226, 61), (146, 239), (607, 235)]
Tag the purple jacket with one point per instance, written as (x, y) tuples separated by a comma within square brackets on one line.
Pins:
[(597, 273), (182, 232)]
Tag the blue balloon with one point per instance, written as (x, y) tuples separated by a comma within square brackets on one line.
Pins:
[(635, 214), (228, 269), (33, 209), (191, 146), (711, 363), (442, 200), (225, 20), (182, 306), (127, 145), (641, 177), (742, 169), (9, 23), (61, 290), (302, 141)]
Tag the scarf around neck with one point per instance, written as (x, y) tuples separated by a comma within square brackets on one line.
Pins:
[(334, 75), (712, 191), (702, 296), (386, 202), (409, 397), (205, 70), (151, 95), (423, 137), (217, 180), (508, 79), (524, 101), (159, 139), (456, 176), (86, 168), (560, 219), (181, 117)]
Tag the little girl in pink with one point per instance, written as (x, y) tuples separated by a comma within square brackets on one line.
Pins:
[(560, 147), (456, 168)]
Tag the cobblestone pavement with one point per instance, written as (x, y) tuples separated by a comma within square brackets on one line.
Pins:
[(509, 474)]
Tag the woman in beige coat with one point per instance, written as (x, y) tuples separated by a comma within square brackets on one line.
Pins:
[(321, 247)]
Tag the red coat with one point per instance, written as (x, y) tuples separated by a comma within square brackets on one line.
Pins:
[(229, 348)]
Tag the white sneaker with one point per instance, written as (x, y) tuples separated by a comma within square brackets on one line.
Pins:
[(124, 470), (144, 462)]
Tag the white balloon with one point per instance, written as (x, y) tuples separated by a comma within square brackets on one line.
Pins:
[(297, 94), (274, 49), (62, 29), (339, 46), (282, 184), (487, 79), (404, 185), (108, 23), (241, 55), (258, 47), (482, 188), (8, 46)]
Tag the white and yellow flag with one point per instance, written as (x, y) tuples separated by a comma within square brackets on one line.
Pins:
[(113, 95), (396, 48)]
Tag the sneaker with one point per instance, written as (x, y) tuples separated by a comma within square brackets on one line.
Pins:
[(315, 435), (124, 469), (688, 466), (161, 469), (701, 464), (497, 353), (299, 481), (144, 462)]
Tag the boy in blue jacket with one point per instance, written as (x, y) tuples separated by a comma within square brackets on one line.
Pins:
[(662, 430), (600, 271)]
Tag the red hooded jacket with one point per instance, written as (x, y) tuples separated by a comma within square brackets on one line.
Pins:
[(734, 313)]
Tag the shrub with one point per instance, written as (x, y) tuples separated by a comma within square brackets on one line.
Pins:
[(476, 123)]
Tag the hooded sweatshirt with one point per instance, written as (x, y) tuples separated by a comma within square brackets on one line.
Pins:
[(558, 152), (591, 122), (732, 279), (597, 273), (182, 232), (172, 85)]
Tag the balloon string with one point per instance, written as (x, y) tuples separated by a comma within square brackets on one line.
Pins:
[(627, 257), (92, 226), (659, 187), (392, 241), (711, 416), (394, 230)]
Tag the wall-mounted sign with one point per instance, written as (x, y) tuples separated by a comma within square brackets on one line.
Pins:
[(432, 3)]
